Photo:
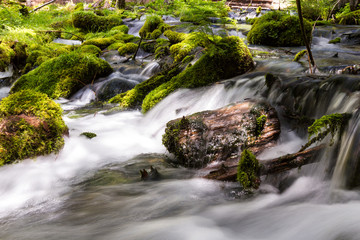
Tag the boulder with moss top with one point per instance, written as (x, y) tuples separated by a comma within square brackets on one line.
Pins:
[(90, 22), (64, 75), (278, 29), (30, 125)]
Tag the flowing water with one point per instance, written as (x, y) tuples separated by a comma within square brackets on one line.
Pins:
[(92, 188)]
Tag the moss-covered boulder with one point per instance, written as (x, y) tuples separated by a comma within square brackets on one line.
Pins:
[(90, 22), (153, 27), (64, 75), (228, 58), (30, 125), (127, 48), (278, 29), (12, 52)]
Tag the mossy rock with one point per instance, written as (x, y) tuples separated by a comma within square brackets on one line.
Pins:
[(174, 37), (90, 22), (6, 54), (30, 125), (278, 29), (90, 49), (64, 75), (103, 43), (127, 48), (121, 28), (335, 40), (153, 27), (229, 58), (41, 53)]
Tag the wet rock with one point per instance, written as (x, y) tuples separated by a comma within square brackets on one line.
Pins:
[(114, 87), (150, 175), (220, 135), (351, 37)]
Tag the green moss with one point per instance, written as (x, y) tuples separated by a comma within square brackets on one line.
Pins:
[(174, 37), (260, 124), (258, 10), (229, 58), (41, 53), (121, 28), (152, 23), (336, 40), (89, 135), (89, 22), (6, 54), (156, 33), (79, 6), (326, 124), (170, 138), (104, 42), (127, 48), (248, 170), (64, 75), (90, 49), (299, 55), (31, 125), (278, 29)]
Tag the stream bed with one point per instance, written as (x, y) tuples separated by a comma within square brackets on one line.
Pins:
[(92, 188)]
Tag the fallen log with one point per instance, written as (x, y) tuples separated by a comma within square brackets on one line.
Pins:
[(228, 170)]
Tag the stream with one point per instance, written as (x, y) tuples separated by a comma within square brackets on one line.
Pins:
[(92, 189)]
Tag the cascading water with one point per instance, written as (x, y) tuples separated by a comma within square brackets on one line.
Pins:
[(92, 190)]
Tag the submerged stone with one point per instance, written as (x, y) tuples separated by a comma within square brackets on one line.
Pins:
[(30, 125)]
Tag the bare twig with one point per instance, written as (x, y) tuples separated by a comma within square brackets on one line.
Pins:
[(45, 4)]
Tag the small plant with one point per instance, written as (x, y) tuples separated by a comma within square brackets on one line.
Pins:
[(322, 127), (260, 123), (248, 170)]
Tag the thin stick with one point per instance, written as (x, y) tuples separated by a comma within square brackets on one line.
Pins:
[(35, 9)]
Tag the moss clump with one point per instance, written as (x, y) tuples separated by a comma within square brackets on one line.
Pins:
[(228, 58), (299, 55), (31, 125), (104, 42), (127, 48), (41, 53), (121, 28), (326, 124), (248, 170), (6, 54), (258, 10), (170, 138), (260, 124), (89, 135), (90, 22), (90, 49), (174, 37), (152, 27), (64, 75), (336, 40), (278, 29)]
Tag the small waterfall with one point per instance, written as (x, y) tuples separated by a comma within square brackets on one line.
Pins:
[(347, 164), (150, 69), (8, 73)]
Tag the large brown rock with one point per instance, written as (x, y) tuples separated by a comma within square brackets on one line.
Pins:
[(220, 135)]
